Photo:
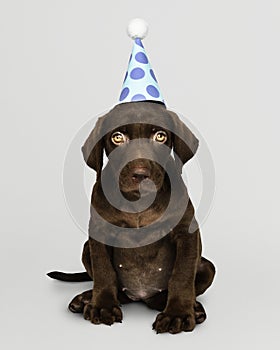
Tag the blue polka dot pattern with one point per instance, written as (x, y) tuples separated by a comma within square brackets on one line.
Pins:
[(153, 75), (124, 93), (137, 73), (141, 57), (153, 91), (138, 97), (140, 83)]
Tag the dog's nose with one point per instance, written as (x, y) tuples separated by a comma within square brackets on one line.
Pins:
[(140, 173)]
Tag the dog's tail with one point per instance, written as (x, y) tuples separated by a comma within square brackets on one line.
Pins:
[(70, 277)]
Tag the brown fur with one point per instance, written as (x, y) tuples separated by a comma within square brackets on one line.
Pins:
[(168, 274)]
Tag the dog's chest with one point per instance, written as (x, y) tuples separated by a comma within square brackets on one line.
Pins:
[(145, 271)]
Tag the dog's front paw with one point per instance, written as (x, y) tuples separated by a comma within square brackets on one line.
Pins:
[(104, 315), (169, 322), (176, 322)]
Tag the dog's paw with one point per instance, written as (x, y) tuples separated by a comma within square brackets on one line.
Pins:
[(79, 302), (173, 322), (166, 322), (102, 315), (199, 312)]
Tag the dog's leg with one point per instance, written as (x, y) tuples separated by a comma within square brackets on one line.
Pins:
[(86, 259), (179, 313), (104, 306), (78, 303), (204, 276)]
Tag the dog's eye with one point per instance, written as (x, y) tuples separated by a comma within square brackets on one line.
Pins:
[(160, 136), (118, 138)]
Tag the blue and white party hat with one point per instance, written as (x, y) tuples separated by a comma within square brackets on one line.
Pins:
[(140, 83)]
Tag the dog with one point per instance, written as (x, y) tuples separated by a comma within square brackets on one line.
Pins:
[(165, 271)]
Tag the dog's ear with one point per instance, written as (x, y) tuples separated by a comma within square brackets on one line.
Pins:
[(93, 148), (185, 143)]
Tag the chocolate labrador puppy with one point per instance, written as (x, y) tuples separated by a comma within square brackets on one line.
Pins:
[(163, 266)]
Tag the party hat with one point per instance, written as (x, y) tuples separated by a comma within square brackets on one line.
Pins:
[(140, 83)]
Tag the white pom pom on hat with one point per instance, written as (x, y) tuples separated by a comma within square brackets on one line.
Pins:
[(137, 28)]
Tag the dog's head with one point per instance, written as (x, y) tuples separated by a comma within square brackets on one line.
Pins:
[(130, 123)]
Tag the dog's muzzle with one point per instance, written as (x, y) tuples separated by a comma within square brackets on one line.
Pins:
[(140, 173)]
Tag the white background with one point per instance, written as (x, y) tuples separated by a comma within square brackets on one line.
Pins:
[(63, 62)]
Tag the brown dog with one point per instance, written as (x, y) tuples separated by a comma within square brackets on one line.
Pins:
[(168, 273)]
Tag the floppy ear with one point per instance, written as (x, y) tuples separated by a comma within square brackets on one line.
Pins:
[(185, 144), (93, 148)]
